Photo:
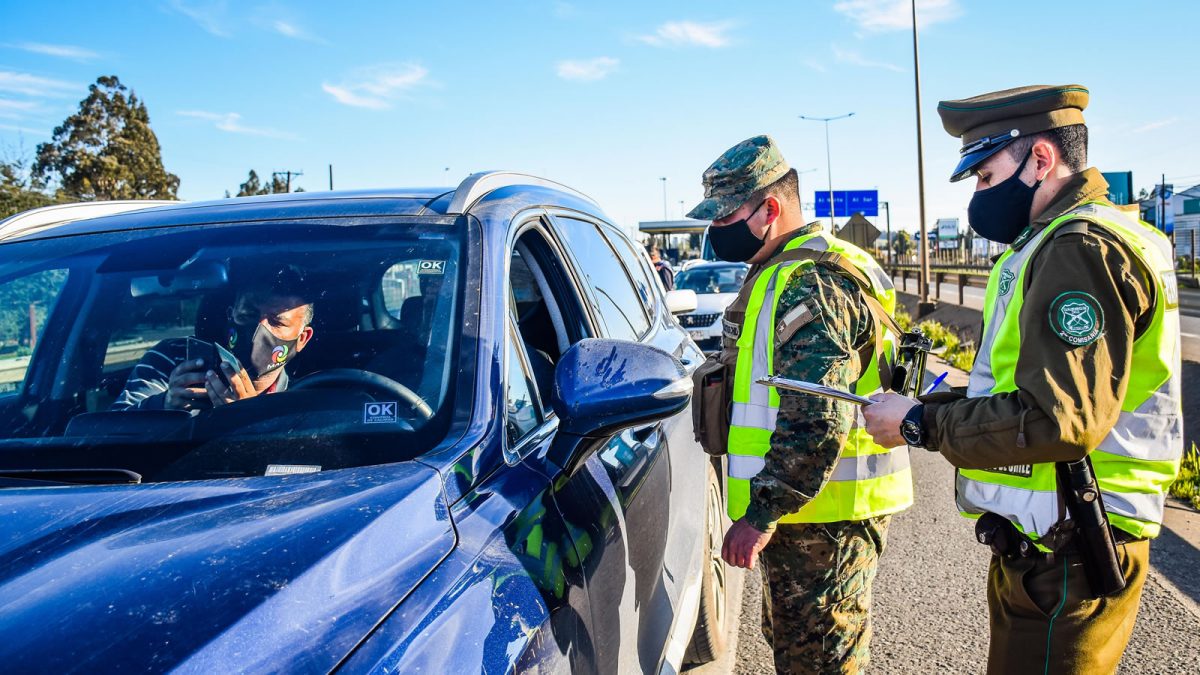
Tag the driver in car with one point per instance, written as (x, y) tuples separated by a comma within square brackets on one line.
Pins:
[(268, 324)]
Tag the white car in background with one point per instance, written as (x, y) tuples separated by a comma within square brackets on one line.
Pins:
[(716, 284)]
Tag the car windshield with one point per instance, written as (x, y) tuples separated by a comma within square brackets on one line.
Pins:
[(725, 279), (344, 339)]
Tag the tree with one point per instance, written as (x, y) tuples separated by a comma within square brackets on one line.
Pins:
[(254, 186), (902, 243), (18, 191), (106, 150)]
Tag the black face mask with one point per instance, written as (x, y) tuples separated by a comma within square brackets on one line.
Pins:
[(259, 351), (735, 242), (1001, 212)]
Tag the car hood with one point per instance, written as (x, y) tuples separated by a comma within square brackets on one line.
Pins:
[(713, 303), (259, 574)]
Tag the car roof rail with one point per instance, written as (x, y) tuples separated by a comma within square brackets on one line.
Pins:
[(477, 185)]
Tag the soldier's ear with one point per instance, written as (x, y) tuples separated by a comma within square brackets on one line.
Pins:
[(773, 209)]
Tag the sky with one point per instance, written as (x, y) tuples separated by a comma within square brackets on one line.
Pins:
[(608, 98)]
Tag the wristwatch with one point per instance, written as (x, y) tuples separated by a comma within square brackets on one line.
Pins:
[(912, 428)]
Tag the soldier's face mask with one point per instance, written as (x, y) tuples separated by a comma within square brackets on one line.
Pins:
[(1000, 212), (735, 242)]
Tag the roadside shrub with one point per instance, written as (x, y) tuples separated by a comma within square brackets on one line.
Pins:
[(1187, 483)]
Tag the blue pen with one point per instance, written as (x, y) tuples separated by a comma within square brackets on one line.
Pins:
[(936, 382)]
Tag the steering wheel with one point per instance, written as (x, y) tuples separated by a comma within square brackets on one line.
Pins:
[(373, 383)]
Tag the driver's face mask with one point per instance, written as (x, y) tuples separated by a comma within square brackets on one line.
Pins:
[(259, 351)]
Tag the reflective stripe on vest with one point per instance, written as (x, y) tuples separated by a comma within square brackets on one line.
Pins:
[(1140, 456), (868, 479)]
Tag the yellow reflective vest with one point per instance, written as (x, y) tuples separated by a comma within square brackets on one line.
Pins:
[(1138, 459), (869, 480)]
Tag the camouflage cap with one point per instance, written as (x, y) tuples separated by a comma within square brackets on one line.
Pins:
[(741, 171), (988, 122)]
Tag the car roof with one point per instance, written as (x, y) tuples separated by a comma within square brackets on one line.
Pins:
[(33, 220), (485, 191), (717, 266)]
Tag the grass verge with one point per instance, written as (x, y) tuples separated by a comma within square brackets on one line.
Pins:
[(1187, 483), (955, 351)]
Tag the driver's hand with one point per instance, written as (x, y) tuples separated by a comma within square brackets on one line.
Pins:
[(240, 386), (186, 386)]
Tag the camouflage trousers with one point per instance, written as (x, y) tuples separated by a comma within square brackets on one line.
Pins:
[(817, 594)]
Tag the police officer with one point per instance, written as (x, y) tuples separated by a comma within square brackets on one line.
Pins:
[(808, 490), (1079, 359)]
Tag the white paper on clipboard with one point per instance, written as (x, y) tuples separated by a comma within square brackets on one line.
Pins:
[(814, 389)]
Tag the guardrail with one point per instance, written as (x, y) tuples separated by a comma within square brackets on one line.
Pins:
[(962, 275)]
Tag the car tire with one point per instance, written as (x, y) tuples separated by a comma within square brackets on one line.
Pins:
[(710, 637)]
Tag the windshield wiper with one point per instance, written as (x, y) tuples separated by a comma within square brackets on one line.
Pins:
[(44, 477)]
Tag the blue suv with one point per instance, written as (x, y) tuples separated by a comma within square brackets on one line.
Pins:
[(478, 459)]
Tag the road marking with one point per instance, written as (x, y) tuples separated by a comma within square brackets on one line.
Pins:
[(1190, 335)]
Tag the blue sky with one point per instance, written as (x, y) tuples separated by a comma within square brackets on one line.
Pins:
[(606, 97)]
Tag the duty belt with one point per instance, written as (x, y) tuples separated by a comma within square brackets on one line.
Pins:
[(1006, 541)]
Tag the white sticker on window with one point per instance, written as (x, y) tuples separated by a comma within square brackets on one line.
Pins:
[(431, 267), (290, 469), (379, 413)]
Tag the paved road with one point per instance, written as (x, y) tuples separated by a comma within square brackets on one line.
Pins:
[(930, 605)]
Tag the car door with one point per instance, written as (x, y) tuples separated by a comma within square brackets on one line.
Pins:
[(630, 593)]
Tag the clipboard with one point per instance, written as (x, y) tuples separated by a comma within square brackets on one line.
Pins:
[(814, 389)]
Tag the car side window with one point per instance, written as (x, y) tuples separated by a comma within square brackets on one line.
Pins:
[(637, 264), (522, 412), (619, 305), (25, 305)]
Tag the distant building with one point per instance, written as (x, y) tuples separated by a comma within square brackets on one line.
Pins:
[(1185, 211)]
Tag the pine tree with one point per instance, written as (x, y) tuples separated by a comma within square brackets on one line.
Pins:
[(252, 186), (106, 150)]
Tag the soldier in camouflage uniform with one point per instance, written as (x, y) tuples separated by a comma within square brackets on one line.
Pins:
[(817, 590)]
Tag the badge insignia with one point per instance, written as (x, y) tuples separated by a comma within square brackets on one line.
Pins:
[(1076, 318), (1006, 279), (1022, 238)]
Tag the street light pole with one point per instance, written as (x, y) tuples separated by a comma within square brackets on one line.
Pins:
[(800, 186), (925, 306), (828, 156), (664, 182)]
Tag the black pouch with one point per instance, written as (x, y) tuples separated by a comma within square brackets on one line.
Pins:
[(711, 395)]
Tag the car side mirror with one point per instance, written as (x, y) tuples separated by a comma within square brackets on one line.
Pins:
[(602, 387), (681, 301)]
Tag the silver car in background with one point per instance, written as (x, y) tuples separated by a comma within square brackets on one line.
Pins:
[(716, 284)]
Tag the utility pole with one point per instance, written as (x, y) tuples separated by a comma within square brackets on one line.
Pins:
[(289, 175), (888, 208), (924, 306), (664, 182), (682, 215), (828, 155), (331, 177)]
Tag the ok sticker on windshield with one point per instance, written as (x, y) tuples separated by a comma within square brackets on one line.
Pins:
[(379, 413), (431, 267)]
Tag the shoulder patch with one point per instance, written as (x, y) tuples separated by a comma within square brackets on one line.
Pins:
[(1076, 318), (794, 320)]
